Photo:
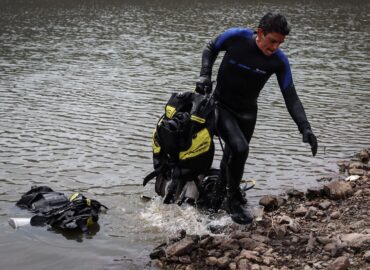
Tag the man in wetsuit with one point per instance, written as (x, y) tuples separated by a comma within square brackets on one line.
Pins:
[(249, 61)]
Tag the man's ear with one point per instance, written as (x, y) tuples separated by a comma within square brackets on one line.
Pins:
[(260, 33)]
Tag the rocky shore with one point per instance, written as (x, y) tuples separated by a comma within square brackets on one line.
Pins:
[(325, 227)]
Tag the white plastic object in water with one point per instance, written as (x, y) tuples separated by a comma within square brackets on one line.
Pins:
[(18, 222)]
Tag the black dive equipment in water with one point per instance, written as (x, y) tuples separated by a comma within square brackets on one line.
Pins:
[(55, 209)]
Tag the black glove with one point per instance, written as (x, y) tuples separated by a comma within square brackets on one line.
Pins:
[(203, 85), (309, 137)]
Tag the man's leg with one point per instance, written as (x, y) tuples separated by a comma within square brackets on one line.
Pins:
[(233, 161)]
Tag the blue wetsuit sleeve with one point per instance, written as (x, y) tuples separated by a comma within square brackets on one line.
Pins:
[(292, 101), (220, 43)]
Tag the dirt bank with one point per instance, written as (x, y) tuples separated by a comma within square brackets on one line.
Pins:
[(325, 227)]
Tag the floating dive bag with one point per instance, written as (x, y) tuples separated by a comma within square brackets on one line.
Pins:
[(55, 209), (42, 199), (182, 141)]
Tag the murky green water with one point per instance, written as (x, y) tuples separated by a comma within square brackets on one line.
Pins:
[(82, 84)]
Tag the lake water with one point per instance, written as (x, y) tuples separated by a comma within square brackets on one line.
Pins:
[(82, 84)]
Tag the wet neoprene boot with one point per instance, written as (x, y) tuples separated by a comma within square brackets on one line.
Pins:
[(237, 209)]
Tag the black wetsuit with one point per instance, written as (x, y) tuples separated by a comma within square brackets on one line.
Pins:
[(242, 74)]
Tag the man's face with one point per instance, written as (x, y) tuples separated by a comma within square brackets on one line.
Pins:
[(270, 42)]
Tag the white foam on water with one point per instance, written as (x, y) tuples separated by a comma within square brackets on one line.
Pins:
[(169, 218)]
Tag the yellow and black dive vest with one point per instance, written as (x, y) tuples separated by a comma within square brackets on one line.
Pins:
[(183, 137)]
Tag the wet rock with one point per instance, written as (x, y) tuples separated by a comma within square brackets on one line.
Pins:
[(216, 241), (269, 202), (215, 253), (356, 165), (335, 215), (366, 192), (324, 205), (260, 238), (181, 247), (295, 239), (301, 211), (244, 265), (356, 241), (294, 193), (239, 235), (211, 261), (247, 243), (324, 240), (343, 165), (358, 224), (185, 259), (284, 220), (358, 193), (173, 259), (364, 155), (158, 252), (264, 223), (281, 201), (367, 256), (268, 260), (157, 264), (232, 266), (320, 213), (311, 212), (250, 255), (315, 192), (280, 231), (180, 234), (190, 267), (228, 244), (261, 248), (335, 249), (294, 226), (206, 241), (357, 172), (338, 190), (341, 263), (232, 253), (255, 267), (223, 262)]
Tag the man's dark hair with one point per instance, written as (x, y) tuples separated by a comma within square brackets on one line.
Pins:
[(274, 22)]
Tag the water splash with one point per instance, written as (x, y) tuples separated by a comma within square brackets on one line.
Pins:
[(168, 219)]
